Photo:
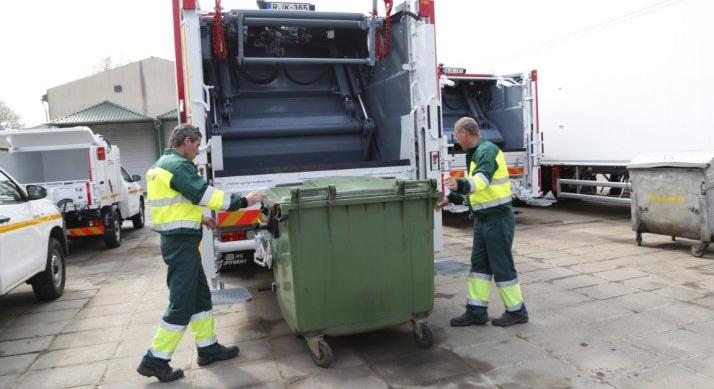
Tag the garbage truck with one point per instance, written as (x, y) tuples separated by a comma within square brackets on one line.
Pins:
[(83, 176), (504, 106), (287, 93)]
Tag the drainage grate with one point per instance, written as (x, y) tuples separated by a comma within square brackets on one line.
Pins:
[(450, 266), (230, 296)]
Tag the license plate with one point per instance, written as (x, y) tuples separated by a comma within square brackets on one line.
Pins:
[(276, 6), (238, 258)]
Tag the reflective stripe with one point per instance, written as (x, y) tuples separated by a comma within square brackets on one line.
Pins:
[(482, 276), (160, 354), (477, 303), (202, 315), (207, 342), (203, 329), (511, 296), (503, 180), (176, 225), (483, 178), (172, 327), (515, 308), (169, 201), (504, 284), (226, 202), (479, 289), (166, 338), (490, 204), (206, 196)]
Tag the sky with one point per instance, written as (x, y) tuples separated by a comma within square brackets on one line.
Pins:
[(46, 43)]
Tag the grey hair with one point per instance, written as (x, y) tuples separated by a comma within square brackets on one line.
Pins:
[(467, 124), (183, 131)]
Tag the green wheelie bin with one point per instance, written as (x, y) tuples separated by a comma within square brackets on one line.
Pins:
[(351, 255)]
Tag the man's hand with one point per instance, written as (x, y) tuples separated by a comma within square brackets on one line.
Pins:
[(209, 222), (254, 197), (441, 203), (452, 183)]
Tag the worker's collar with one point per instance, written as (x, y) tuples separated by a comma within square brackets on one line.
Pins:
[(169, 151), (471, 150)]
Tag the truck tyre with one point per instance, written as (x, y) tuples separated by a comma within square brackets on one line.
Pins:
[(49, 284), (138, 219), (112, 236)]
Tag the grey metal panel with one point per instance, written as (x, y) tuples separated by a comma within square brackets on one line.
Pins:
[(137, 144), (47, 166)]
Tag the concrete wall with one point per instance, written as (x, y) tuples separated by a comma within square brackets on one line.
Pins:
[(147, 87)]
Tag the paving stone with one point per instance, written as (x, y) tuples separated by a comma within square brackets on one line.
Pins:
[(643, 301), (93, 323), (579, 281), (681, 314), (681, 293), (287, 345), (86, 338), (70, 294), (24, 346), (30, 331), (227, 375), (651, 282), (593, 311), (566, 340), (16, 364), (75, 355), (669, 376), (500, 354), (114, 299), (594, 267), (350, 378), (554, 300), (611, 359), (620, 274), (45, 317), (702, 363), (632, 326), (607, 290), (64, 377), (675, 344), (106, 310), (410, 370), (302, 365), (8, 381), (537, 374), (552, 273)]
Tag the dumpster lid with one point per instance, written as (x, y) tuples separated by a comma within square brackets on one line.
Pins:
[(349, 187), (690, 159)]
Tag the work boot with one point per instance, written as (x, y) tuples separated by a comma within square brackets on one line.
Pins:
[(469, 318), (511, 318), (219, 353), (163, 373)]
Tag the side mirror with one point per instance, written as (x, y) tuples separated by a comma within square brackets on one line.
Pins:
[(36, 192), (135, 178)]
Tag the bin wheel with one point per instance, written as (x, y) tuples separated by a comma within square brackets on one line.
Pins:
[(325, 357), (638, 239), (426, 340), (698, 249)]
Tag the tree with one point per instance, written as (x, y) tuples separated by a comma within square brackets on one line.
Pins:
[(8, 117)]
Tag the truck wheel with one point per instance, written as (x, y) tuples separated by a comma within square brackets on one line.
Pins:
[(139, 218), (112, 237), (49, 284)]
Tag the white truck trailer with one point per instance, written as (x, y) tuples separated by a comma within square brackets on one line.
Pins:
[(287, 93), (635, 84), (83, 176)]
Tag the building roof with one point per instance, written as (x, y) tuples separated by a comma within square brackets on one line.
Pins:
[(171, 115), (102, 113)]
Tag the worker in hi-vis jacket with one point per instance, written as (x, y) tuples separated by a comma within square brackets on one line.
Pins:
[(178, 194)]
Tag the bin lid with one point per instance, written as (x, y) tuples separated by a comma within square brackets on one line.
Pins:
[(685, 159), (349, 188)]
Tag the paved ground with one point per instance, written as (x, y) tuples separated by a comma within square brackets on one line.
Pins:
[(604, 314)]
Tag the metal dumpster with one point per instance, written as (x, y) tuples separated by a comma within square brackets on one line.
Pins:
[(351, 255), (672, 195)]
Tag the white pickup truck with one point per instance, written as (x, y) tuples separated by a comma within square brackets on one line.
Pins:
[(33, 246), (83, 176)]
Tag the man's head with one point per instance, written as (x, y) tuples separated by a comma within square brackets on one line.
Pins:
[(467, 133), (186, 139)]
